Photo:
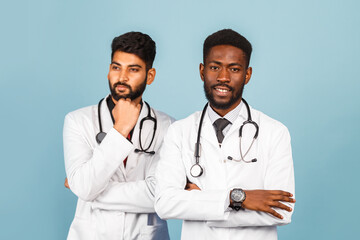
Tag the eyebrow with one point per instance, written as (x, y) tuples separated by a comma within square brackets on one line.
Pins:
[(135, 65), (131, 65), (115, 63), (235, 64), (230, 65)]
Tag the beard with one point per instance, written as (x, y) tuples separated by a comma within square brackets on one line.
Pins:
[(236, 95), (133, 93)]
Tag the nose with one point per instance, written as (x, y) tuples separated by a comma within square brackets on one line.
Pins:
[(223, 76), (123, 76)]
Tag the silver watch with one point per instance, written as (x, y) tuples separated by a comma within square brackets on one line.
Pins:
[(238, 197)]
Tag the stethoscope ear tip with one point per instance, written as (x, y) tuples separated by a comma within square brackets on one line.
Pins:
[(254, 160)]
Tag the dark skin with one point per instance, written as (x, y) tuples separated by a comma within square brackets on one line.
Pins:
[(227, 65)]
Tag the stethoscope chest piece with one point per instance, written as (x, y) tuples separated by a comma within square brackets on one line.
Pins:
[(100, 136), (196, 170)]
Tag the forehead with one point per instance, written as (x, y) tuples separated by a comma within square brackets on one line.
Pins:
[(125, 58), (226, 53)]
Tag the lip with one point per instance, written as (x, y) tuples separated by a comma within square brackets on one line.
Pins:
[(222, 91), (121, 88)]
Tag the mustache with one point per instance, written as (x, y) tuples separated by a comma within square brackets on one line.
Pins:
[(222, 85), (121, 84)]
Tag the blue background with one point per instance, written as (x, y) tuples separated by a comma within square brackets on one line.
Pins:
[(54, 58)]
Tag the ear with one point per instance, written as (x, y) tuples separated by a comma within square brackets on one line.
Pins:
[(248, 74), (201, 69), (109, 72), (150, 76)]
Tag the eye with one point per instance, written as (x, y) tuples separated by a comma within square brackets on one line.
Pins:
[(114, 67), (214, 68), (235, 69), (133, 69)]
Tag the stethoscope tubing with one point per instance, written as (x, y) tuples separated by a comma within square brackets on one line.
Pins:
[(196, 170), (101, 135)]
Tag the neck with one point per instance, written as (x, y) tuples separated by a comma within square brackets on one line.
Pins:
[(223, 112)]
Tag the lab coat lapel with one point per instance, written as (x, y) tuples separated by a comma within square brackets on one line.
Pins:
[(234, 129), (106, 120), (208, 132), (248, 129), (146, 135), (107, 124)]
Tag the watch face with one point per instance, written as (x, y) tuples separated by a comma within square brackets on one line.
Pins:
[(237, 195)]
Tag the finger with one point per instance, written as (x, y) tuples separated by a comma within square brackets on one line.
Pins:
[(280, 192), (282, 206), (66, 184), (274, 213), (121, 100), (283, 198)]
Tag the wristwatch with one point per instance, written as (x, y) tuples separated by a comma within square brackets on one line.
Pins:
[(237, 196)]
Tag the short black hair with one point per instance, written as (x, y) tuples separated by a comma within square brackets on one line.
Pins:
[(136, 43), (227, 37)]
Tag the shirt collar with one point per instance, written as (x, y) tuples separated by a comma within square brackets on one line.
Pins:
[(231, 116)]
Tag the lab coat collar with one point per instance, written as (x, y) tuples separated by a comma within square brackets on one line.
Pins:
[(242, 116), (208, 132), (106, 120), (147, 130), (230, 116)]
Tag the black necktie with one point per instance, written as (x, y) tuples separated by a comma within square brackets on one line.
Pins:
[(219, 125)]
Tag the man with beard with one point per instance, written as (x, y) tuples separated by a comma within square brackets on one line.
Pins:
[(234, 161), (111, 151)]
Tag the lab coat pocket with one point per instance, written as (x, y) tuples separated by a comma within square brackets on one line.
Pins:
[(157, 232)]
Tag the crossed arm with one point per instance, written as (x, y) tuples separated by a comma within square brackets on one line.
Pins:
[(260, 200), (272, 205)]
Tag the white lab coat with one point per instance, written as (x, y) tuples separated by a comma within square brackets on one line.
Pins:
[(205, 213), (114, 202)]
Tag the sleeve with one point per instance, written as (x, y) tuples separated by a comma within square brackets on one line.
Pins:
[(171, 200), (279, 176), (89, 170), (139, 194)]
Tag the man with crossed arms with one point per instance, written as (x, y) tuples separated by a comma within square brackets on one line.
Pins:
[(232, 196)]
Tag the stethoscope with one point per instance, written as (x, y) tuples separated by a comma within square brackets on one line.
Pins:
[(196, 170), (101, 135)]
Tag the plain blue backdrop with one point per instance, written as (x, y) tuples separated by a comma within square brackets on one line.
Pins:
[(54, 58)]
